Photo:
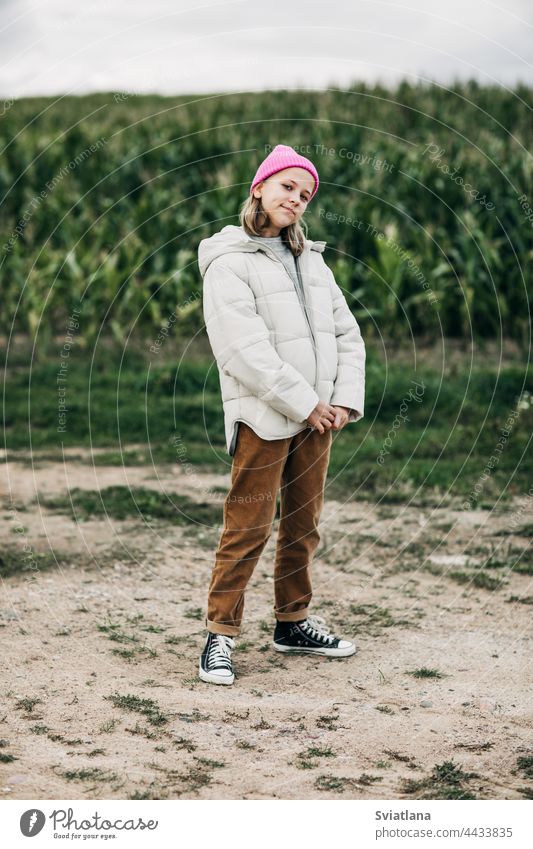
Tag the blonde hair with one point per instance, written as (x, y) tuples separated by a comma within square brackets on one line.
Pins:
[(254, 219)]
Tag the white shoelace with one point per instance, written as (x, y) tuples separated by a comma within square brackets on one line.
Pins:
[(318, 625), (219, 654)]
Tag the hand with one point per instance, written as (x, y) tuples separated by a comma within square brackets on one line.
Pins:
[(342, 414), (322, 417)]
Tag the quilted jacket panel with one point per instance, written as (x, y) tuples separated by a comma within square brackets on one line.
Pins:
[(276, 360)]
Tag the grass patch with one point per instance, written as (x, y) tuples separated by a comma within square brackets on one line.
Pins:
[(341, 784), (91, 774), (523, 568), (510, 558), (209, 763), (131, 654), (408, 760), (124, 502), (14, 561), (141, 731), (233, 714), (39, 729), (243, 646), (373, 620), (527, 792), (27, 704), (154, 793), (146, 707), (308, 758), (108, 726), (194, 613), (195, 716), (196, 778), (115, 634), (475, 747), (328, 721), (366, 780), (423, 672), (446, 781), (522, 531), (333, 782), (477, 579), (184, 743), (525, 765)]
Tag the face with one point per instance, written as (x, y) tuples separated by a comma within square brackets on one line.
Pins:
[(284, 197)]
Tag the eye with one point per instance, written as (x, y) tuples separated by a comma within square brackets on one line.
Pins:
[(288, 186)]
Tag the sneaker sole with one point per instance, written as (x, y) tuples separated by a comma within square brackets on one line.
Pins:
[(210, 678), (325, 652)]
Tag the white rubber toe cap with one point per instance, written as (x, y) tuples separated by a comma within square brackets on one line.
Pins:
[(223, 673), (219, 676)]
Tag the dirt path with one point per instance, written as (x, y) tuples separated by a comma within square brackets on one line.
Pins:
[(100, 696)]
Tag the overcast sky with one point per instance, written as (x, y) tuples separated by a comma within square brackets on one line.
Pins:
[(174, 46)]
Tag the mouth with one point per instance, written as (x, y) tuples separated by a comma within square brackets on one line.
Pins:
[(286, 208)]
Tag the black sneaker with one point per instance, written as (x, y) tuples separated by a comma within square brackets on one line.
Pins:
[(215, 662), (310, 636)]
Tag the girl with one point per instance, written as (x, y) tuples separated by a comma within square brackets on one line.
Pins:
[(291, 363)]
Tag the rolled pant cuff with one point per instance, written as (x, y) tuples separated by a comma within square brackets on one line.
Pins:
[(295, 616), (227, 630)]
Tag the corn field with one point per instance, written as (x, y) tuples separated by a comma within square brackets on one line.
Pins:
[(425, 201)]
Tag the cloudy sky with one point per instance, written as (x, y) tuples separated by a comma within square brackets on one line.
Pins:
[(181, 46)]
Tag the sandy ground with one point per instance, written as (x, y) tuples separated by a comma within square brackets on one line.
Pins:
[(291, 728)]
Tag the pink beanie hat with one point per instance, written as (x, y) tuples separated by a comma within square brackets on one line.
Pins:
[(284, 157)]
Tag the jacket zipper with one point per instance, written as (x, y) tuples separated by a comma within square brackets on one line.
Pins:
[(272, 254)]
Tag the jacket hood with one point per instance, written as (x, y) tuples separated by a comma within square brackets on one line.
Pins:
[(234, 239)]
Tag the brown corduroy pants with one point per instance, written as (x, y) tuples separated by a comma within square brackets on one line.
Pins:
[(296, 467)]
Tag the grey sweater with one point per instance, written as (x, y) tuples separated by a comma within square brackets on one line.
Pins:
[(287, 257)]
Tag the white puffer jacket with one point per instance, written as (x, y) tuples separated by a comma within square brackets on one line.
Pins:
[(274, 362)]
